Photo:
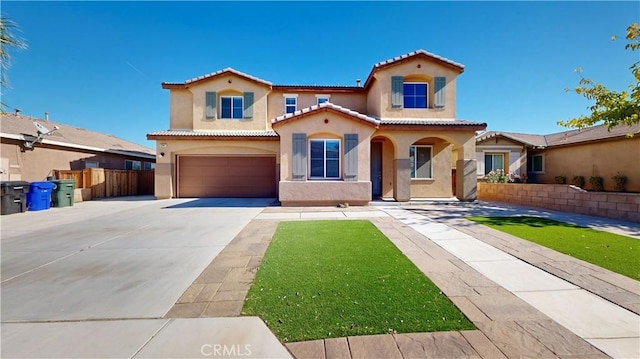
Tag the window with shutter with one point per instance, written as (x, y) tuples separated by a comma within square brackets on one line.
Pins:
[(439, 84), (248, 105), (210, 105), (351, 157), (396, 91), (299, 165)]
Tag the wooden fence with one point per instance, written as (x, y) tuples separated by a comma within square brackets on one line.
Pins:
[(111, 183)]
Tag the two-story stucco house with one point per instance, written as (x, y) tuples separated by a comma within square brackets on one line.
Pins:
[(396, 137)]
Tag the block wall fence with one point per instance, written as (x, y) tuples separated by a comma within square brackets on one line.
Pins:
[(624, 206)]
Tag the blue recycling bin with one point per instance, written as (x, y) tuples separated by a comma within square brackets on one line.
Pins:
[(39, 196)]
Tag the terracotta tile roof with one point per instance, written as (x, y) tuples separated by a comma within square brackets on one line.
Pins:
[(200, 133), (595, 133), (429, 121), (20, 126), (326, 105), (215, 74), (417, 53)]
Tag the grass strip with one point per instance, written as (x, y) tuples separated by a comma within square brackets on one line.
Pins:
[(617, 253), (328, 279)]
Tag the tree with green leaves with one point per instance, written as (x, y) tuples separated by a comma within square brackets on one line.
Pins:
[(8, 40), (611, 108)]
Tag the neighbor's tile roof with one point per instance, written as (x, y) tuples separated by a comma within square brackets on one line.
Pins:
[(588, 134), (202, 133), (326, 105), (216, 74), (527, 139), (18, 126)]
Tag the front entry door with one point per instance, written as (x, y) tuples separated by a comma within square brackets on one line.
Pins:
[(376, 169)]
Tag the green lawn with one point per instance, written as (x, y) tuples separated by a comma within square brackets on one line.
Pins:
[(617, 253), (327, 279)]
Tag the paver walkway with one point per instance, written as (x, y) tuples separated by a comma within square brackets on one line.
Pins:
[(511, 302)]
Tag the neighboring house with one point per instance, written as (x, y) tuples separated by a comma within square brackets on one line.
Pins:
[(592, 151), (27, 156), (397, 136)]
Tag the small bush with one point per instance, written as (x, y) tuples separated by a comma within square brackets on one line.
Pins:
[(578, 181), (619, 182), (560, 179), (597, 183), (497, 176)]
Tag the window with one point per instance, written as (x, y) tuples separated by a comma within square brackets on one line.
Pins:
[(415, 94), (493, 162), (132, 165), (91, 164), (322, 98), (149, 166), (290, 103), (231, 107), (324, 161), (421, 164), (536, 164)]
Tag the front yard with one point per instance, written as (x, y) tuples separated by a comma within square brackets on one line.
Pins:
[(617, 253), (328, 279)]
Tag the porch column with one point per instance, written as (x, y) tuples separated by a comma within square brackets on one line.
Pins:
[(402, 180), (466, 180), (466, 167)]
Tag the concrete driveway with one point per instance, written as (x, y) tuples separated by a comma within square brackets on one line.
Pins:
[(112, 259)]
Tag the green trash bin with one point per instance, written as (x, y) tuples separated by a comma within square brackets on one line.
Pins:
[(62, 194)]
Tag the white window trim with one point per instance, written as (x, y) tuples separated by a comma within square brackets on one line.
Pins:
[(504, 155), (427, 95), (152, 166), (430, 161), (290, 95), (532, 163), (232, 97), (325, 159), (318, 97)]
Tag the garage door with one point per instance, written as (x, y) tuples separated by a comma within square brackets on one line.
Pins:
[(206, 176)]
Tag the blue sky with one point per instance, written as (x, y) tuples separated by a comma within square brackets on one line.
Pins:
[(99, 65)]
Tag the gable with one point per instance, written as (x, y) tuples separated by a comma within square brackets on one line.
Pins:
[(228, 74), (332, 109)]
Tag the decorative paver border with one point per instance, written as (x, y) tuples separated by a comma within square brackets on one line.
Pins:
[(507, 325)]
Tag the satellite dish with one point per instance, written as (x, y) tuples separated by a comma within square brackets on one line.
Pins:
[(43, 130)]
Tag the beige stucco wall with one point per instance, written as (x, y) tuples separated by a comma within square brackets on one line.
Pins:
[(229, 84), (165, 182), (603, 159), (353, 101), (379, 98), (181, 109), (321, 191), (37, 164), (440, 184)]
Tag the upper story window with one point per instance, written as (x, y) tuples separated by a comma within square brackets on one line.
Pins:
[(322, 99), (421, 164), (415, 94), (231, 107), (290, 103), (324, 159)]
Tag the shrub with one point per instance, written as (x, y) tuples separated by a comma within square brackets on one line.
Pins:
[(619, 182), (578, 181), (560, 179), (497, 176), (597, 183), (518, 178)]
